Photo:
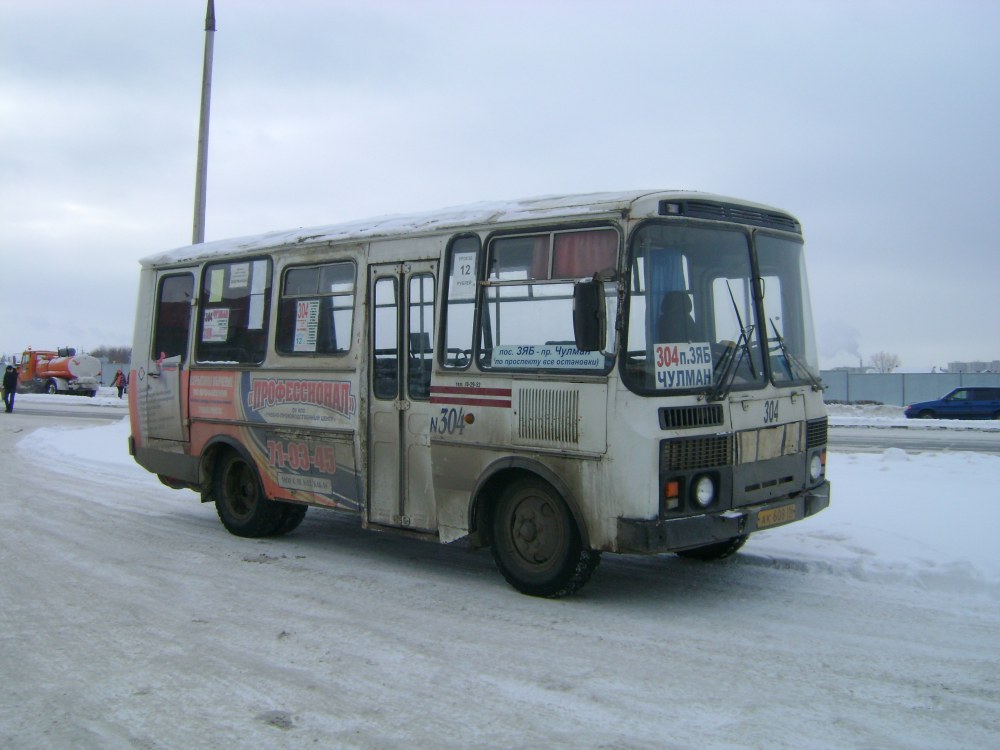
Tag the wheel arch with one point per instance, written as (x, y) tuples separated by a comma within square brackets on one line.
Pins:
[(212, 455), (496, 477)]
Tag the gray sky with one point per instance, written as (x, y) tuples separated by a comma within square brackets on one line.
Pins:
[(876, 123)]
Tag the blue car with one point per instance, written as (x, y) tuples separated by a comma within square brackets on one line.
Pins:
[(961, 403)]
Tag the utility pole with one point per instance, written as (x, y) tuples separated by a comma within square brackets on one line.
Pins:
[(201, 172)]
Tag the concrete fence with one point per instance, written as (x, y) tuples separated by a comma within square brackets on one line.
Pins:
[(899, 389), (108, 370)]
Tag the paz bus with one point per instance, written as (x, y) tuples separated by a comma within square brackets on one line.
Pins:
[(552, 378)]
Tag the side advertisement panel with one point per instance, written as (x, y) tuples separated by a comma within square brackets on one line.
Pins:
[(300, 431)]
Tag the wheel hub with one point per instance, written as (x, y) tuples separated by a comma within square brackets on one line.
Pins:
[(527, 531), (534, 536), (241, 491)]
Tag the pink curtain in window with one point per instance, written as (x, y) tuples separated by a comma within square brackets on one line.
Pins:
[(580, 255)]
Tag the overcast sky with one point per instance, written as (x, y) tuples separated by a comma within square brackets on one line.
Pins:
[(876, 123)]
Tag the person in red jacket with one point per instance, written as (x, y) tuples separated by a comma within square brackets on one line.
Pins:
[(120, 382)]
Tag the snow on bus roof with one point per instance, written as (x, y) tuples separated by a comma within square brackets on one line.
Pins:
[(456, 217)]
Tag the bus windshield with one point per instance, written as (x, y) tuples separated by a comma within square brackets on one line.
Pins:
[(692, 321), (788, 324)]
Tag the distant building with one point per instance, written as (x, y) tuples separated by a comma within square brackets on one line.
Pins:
[(993, 366)]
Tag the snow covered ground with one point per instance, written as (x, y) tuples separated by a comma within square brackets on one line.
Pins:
[(131, 619)]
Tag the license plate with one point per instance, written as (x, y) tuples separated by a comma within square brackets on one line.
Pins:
[(775, 516)]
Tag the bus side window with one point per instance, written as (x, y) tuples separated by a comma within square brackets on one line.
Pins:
[(386, 336), (316, 309), (234, 312), (420, 299), (173, 316), (459, 313), (527, 313)]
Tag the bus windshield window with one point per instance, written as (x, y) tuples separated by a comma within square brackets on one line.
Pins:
[(691, 324), (788, 322), (527, 315)]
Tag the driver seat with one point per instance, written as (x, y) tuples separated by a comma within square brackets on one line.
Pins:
[(675, 323)]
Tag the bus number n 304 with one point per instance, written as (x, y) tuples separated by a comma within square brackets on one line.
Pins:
[(451, 421)]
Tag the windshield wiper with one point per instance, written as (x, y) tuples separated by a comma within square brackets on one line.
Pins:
[(733, 362), (794, 363)]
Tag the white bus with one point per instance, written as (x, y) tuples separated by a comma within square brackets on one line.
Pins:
[(553, 378)]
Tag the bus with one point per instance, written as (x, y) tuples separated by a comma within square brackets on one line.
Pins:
[(552, 378)]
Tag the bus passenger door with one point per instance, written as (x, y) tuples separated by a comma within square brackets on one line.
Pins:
[(400, 488), (163, 381)]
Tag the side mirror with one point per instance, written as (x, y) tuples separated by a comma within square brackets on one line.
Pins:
[(589, 316)]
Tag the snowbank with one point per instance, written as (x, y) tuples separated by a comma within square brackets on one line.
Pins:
[(851, 415)]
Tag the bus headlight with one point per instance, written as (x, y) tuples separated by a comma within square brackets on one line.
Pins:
[(815, 467), (703, 491)]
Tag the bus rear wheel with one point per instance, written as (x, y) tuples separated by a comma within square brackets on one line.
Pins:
[(293, 515), (717, 551), (242, 506), (536, 543)]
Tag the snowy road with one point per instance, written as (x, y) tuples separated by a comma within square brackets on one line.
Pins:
[(130, 619), (878, 439)]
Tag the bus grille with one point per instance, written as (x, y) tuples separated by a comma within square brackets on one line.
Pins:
[(696, 453), (547, 414), (683, 417), (816, 433)]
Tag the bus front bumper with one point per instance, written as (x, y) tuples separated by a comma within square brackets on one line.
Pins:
[(651, 536)]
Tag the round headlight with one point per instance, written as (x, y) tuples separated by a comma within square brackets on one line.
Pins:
[(704, 491), (815, 467)]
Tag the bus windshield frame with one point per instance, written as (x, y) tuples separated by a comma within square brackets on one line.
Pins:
[(706, 302)]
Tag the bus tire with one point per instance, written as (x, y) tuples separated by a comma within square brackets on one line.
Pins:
[(293, 515), (716, 551), (240, 501), (536, 543)]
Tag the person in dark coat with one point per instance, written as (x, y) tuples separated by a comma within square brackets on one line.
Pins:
[(9, 388)]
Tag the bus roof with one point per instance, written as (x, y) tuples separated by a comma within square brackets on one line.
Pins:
[(487, 213)]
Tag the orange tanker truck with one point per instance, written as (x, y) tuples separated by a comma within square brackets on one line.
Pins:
[(59, 371)]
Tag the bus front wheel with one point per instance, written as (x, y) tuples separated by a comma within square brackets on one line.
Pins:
[(536, 543), (242, 506)]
